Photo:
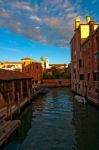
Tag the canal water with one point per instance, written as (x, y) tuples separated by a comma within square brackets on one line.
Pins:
[(56, 121)]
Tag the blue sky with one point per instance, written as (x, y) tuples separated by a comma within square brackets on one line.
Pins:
[(35, 28)]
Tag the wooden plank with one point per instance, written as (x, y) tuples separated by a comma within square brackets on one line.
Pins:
[(8, 128)]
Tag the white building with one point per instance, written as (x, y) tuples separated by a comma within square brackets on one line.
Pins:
[(16, 66), (45, 62)]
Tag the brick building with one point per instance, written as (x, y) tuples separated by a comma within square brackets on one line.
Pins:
[(85, 59), (15, 88), (33, 68)]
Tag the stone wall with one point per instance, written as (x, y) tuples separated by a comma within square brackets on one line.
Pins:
[(56, 82)]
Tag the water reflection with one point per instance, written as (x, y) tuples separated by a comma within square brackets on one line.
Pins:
[(56, 121), (51, 127), (21, 133), (37, 106), (86, 123), (25, 118)]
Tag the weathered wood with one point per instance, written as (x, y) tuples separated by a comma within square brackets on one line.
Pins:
[(7, 128)]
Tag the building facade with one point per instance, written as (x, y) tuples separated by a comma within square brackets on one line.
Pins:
[(45, 63), (15, 66), (33, 68), (15, 88), (85, 59)]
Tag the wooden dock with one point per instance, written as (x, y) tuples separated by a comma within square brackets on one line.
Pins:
[(6, 129), (9, 126)]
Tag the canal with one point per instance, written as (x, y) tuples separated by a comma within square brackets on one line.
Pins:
[(56, 121)]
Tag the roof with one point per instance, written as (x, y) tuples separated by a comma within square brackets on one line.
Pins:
[(13, 75), (28, 59)]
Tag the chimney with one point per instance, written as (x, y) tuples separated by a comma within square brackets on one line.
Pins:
[(91, 26), (77, 23), (88, 19)]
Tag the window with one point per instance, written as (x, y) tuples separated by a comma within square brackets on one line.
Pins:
[(96, 76), (74, 71), (32, 67), (36, 67), (96, 90), (36, 81), (60, 82), (88, 76), (89, 88), (79, 86), (80, 63), (81, 77), (97, 55)]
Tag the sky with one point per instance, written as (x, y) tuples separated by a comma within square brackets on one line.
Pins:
[(41, 28)]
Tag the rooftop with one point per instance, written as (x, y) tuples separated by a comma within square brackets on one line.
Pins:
[(9, 62), (26, 58), (13, 75)]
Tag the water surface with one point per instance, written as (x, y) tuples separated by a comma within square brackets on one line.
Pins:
[(55, 121)]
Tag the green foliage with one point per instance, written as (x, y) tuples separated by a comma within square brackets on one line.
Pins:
[(47, 76), (57, 74)]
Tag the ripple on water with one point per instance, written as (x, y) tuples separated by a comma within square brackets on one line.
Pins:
[(58, 122)]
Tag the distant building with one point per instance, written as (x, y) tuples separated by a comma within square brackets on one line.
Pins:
[(57, 71), (59, 66), (33, 68), (7, 65), (45, 63), (85, 59), (15, 88)]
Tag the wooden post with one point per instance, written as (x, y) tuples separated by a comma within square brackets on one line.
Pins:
[(10, 109), (27, 85), (29, 94), (21, 90), (13, 90), (18, 98), (7, 106)]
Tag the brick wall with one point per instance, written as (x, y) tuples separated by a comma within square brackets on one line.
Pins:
[(56, 82)]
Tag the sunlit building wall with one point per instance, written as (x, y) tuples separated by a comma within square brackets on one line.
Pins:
[(33, 68), (84, 59)]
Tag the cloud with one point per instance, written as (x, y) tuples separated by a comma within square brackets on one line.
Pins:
[(46, 21), (4, 13), (36, 18), (10, 49), (21, 5)]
